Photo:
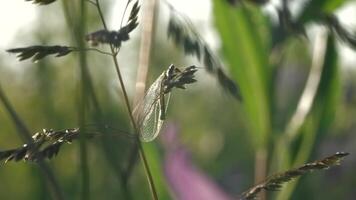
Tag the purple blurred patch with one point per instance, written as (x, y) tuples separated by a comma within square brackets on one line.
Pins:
[(185, 180)]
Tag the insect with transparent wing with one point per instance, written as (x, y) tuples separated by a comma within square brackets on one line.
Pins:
[(151, 112)]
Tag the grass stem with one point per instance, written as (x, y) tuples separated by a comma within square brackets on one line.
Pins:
[(83, 102), (127, 103)]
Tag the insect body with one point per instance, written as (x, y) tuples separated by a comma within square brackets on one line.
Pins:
[(151, 112)]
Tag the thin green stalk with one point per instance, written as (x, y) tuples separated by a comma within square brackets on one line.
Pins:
[(25, 134), (84, 168), (122, 85), (92, 49), (148, 24)]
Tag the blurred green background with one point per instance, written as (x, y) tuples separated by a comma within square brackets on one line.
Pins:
[(224, 136)]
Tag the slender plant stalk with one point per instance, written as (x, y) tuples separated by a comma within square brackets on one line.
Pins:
[(25, 135), (148, 24), (83, 102), (122, 85)]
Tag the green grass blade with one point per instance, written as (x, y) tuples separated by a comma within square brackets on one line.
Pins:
[(244, 34)]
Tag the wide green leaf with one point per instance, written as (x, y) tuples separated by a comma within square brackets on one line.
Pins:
[(245, 41)]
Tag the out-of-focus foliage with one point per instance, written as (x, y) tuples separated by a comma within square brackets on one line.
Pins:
[(248, 54), (221, 133), (315, 9), (346, 36)]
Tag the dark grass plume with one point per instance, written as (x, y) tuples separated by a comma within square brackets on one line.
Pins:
[(42, 2), (275, 182), (45, 144), (116, 37), (181, 31), (38, 52)]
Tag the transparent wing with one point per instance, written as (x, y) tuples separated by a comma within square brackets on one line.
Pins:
[(149, 115)]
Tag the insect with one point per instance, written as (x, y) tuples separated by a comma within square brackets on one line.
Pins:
[(151, 112)]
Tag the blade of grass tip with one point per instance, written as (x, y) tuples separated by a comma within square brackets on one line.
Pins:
[(25, 135), (122, 85)]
